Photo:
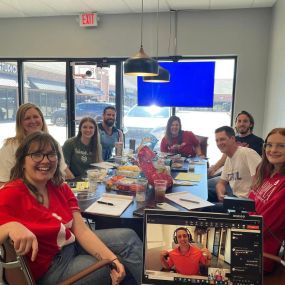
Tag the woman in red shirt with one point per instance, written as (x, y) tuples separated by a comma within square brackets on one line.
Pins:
[(40, 214), (178, 141), (269, 193)]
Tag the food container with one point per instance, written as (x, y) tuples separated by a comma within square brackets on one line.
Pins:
[(178, 162)]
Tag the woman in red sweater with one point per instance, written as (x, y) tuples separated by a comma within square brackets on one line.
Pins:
[(269, 193), (178, 141)]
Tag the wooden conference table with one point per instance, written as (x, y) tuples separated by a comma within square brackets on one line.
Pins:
[(127, 219)]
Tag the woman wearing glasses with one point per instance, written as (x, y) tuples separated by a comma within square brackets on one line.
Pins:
[(41, 216), (84, 149), (29, 119), (268, 192)]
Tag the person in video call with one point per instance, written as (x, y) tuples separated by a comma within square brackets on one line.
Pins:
[(268, 192), (186, 258), (40, 214), (83, 149), (109, 134), (239, 168), (29, 119), (244, 125), (178, 141)]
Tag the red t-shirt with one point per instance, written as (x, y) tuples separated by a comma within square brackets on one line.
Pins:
[(188, 264), (188, 149), (50, 225), (269, 202)]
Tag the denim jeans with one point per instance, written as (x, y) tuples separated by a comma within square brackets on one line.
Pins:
[(73, 258), (212, 195)]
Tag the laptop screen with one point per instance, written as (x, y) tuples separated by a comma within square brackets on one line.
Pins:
[(202, 248)]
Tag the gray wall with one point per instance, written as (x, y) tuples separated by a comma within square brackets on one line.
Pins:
[(244, 32), (275, 100)]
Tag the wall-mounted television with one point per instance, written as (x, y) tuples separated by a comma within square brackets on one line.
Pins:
[(191, 85)]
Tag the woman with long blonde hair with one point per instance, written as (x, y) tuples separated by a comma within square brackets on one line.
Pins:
[(29, 119)]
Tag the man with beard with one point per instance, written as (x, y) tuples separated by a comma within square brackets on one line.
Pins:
[(240, 166), (244, 137), (186, 258), (109, 134)]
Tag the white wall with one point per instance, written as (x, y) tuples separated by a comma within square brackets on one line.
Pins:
[(275, 99), (244, 32)]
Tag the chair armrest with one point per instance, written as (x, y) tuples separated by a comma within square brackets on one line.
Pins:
[(87, 271)]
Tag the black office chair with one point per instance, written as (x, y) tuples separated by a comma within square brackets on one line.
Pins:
[(17, 272)]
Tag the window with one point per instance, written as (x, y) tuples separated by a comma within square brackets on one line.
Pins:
[(8, 98), (46, 88), (140, 121)]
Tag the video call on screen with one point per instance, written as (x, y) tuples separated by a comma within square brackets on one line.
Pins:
[(235, 244)]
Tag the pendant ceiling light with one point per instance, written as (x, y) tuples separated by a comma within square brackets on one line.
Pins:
[(163, 74), (141, 64)]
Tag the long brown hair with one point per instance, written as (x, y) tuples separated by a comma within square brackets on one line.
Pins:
[(41, 140), (168, 134), (20, 132), (265, 168), (95, 144)]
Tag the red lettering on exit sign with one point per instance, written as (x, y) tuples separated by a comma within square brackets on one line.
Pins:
[(88, 19)]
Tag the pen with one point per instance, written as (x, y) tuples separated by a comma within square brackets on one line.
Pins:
[(188, 200), (105, 203)]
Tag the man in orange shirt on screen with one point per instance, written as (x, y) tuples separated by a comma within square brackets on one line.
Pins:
[(186, 258)]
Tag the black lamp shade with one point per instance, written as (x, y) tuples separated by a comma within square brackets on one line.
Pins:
[(141, 65), (163, 76)]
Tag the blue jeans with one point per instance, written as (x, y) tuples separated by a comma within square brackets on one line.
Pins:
[(212, 195), (73, 258)]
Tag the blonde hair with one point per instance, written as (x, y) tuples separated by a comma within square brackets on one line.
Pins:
[(20, 132)]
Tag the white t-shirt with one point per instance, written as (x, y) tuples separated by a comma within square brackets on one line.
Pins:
[(239, 169), (8, 160)]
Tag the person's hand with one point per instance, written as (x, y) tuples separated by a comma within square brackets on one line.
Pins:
[(24, 240), (174, 148), (206, 253), (182, 145), (164, 254), (211, 171), (221, 197), (117, 274)]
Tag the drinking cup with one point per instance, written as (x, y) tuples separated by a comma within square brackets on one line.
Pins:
[(93, 175), (140, 187), (159, 190), (118, 148)]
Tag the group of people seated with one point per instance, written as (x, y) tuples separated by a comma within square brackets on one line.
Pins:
[(40, 214)]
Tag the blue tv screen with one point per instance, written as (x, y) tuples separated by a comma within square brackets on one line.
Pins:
[(191, 85)]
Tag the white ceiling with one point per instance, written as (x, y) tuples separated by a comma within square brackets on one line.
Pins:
[(36, 8)]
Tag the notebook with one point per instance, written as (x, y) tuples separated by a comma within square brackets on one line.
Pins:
[(110, 205), (188, 200), (234, 242)]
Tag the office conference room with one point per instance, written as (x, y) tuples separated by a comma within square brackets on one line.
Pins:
[(44, 59)]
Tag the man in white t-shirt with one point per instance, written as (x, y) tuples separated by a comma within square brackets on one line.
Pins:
[(240, 165)]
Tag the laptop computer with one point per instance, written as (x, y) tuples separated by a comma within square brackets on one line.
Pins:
[(233, 240)]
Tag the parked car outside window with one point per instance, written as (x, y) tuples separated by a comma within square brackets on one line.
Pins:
[(141, 121), (90, 109)]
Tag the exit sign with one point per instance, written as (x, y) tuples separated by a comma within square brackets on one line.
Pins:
[(88, 20)]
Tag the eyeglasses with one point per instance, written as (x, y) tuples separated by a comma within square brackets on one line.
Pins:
[(39, 157), (278, 146)]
